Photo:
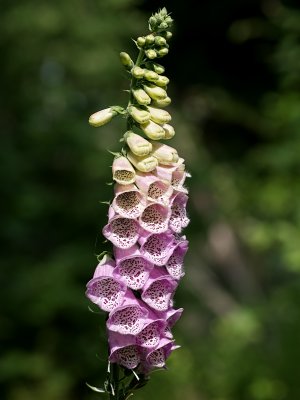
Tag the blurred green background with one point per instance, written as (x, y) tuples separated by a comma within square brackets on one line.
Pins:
[(235, 84)]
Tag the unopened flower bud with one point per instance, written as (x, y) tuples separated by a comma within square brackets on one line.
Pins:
[(162, 52), (153, 131), (151, 75), (162, 81), (102, 117), (169, 131), (169, 20), (159, 69), (168, 35), (165, 154), (141, 96), (155, 92), (159, 116), (163, 25), (152, 21), (123, 171), (137, 144), (150, 39), (140, 116), (141, 41), (162, 103), (126, 60), (151, 54), (138, 72), (143, 164), (160, 41)]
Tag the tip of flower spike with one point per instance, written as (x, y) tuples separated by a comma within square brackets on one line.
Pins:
[(160, 21)]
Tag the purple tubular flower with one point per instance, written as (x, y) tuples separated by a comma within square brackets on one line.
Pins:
[(178, 218), (152, 332), (104, 289), (155, 218), (122, 232), (174, 264), (159, 290), (128, 201), (123, 350), (155, 189), (157, 358), (129, 318), (157, 248), (132, 268)]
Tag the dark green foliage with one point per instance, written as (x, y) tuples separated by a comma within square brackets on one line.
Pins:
[(234, 69)]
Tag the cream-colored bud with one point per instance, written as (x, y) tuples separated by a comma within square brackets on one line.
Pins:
[(151, 54), (159, 69), (141, 41), (102, 117), (162, 103), (137, 144), (155, 92), (162, 52), (159, 116), (150, 38), (138, 72), (143, 164), (168, 35), (126, 59), (169, 131), (162, 81), (151, 75), (140, 116), (141, 96), (165, 154), (160, 41), (153, 131)]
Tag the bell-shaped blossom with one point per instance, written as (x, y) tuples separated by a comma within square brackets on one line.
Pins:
[(165, 172), (128, 202), (157, 248), (155, 218), (178, 178), (122, 232), (156, 358), (159, 289), (123, 172), (178, 218), (153, 131), (123, 350), (137, 144), (154, 188), (105, 289), (129, 318), (154, 329), (166, 155), (174, 264), (132, 268), (144, 164)]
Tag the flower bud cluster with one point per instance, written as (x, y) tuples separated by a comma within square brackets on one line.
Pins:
[(136, 284)]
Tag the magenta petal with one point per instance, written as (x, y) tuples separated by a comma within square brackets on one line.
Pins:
[(123, 350), (178, 218), (174, 264), (159, 290), (104, 289), (153, 330), (154, 188), (157, 358), (129, 318), (155, 218), (122, 232), (132, 268), (157, 248)]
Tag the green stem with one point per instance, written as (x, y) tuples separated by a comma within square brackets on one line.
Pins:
[(138, 62), (115, 381)]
